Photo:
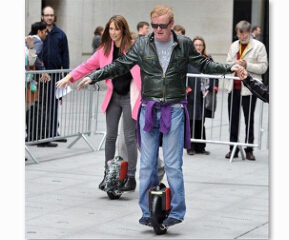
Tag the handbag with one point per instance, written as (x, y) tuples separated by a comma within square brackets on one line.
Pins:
[(30, 95), (31, 91), (211, 101)]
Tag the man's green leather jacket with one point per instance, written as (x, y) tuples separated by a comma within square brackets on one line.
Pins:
[(169, 86)]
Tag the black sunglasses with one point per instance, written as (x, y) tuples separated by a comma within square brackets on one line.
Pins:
[(162, 26)]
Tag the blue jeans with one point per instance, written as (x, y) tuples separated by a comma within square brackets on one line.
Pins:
[(173, 143)]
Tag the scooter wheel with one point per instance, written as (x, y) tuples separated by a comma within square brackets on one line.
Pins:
[(114, 195), (157, 216)]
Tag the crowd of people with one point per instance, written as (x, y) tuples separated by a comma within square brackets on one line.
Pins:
[(52, 53), (146, 90)]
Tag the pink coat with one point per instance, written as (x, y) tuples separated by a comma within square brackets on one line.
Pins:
[(99, 60)]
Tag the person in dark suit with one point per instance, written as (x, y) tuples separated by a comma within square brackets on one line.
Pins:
[(55, 56)]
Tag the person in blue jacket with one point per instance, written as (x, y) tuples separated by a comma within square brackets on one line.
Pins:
[(55, 46), (55, 56)]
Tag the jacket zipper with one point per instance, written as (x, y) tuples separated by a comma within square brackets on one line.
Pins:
[(164, 73)]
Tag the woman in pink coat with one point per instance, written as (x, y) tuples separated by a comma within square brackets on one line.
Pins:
[(120, 97)]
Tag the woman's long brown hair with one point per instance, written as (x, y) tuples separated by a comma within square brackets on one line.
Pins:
[(126, 41)]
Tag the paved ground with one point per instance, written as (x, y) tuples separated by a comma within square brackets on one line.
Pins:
[(224, 200)]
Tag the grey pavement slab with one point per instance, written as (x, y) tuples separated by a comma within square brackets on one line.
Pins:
[(224, 200)]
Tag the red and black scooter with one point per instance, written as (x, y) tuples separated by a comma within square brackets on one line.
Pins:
[(116, 177), (159, 205)]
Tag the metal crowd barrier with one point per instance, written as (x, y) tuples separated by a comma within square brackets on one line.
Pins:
[(219, 125), (48, 118)]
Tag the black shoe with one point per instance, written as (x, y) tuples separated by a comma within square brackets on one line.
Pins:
[(61, 140), (130, 185), (145, 221), (203, 152), (228, 155), (101, 186), (47, 144), (171, 221), (190, 152)]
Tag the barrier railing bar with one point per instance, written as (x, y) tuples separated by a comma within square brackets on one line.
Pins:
[(96, 117), (249, 118), (222, 107), (81, 135), (223, 76), (31, 155)]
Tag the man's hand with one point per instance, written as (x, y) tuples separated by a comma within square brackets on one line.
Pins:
[(242, 74), (85, 81), (45, 78), (242, 63), (63, 82), (236, 67), (30, 41)]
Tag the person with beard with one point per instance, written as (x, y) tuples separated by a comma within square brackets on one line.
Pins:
[(252, 55), (55, 56)]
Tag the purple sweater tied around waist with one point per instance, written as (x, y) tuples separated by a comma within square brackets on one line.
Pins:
[(165, 120)]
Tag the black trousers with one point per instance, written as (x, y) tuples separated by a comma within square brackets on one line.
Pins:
[(198, 147), (235, 98)]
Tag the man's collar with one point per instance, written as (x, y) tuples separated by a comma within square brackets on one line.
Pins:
[(36, 36), (54, 27), (175, 36)]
